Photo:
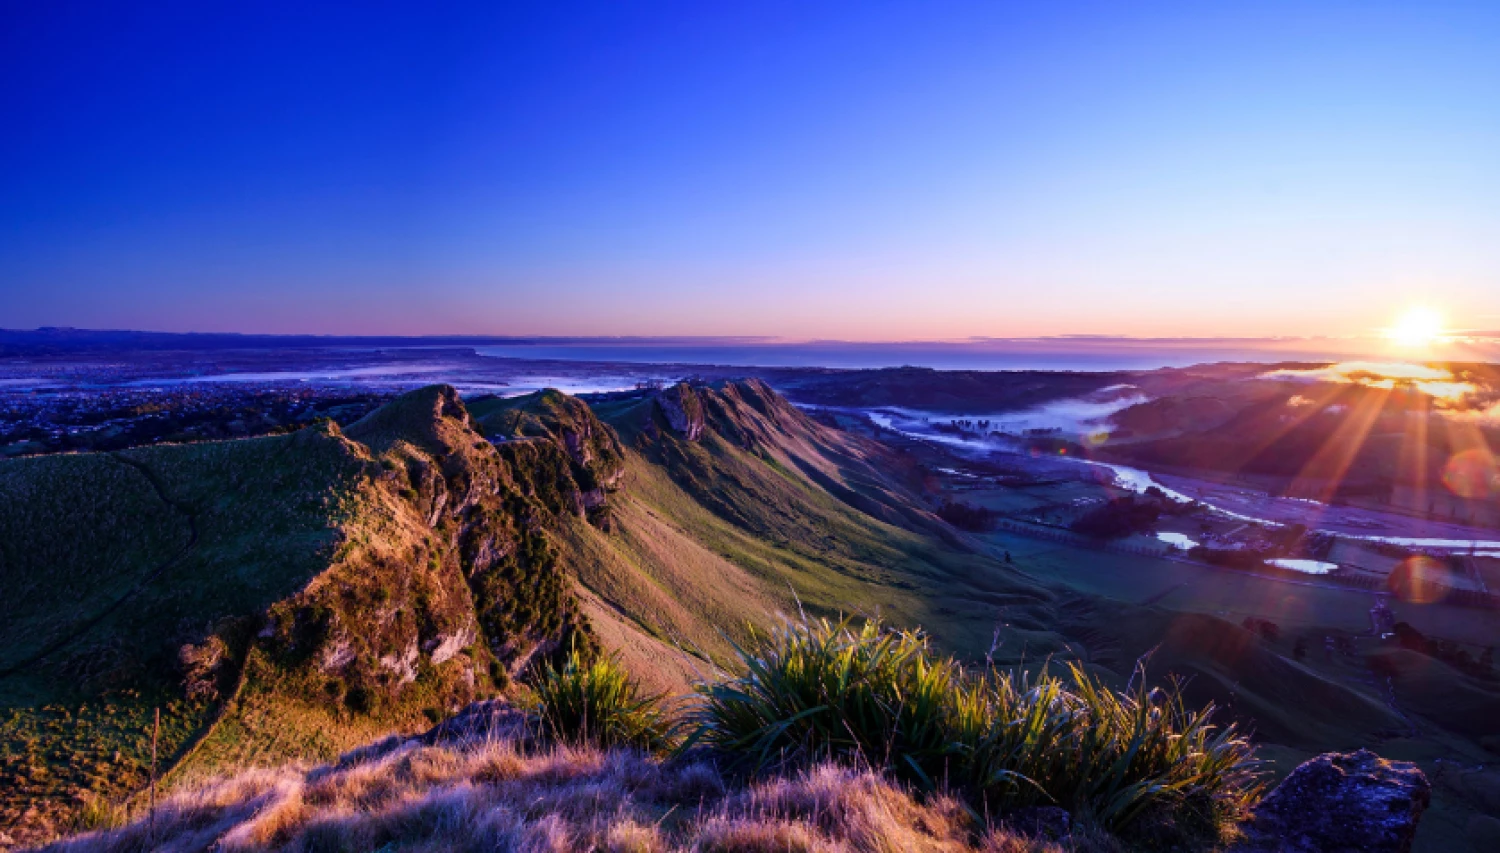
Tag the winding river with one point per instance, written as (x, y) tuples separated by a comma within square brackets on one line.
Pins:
[(1077, 419)]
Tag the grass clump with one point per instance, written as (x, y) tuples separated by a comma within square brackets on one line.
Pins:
[(98, 813), (597, 702), (819, 691)]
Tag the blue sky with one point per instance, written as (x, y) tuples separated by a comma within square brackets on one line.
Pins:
[(869, 171)]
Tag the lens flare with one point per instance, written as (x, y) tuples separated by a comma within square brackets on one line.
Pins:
[(1472, 474), (1420, 580)]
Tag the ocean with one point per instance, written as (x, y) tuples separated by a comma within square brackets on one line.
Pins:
[(1084, 354)]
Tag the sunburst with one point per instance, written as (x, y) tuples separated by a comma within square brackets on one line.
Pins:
[(1418, 327)]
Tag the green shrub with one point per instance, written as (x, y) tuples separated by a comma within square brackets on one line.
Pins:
[(599, 703), (881, 698)]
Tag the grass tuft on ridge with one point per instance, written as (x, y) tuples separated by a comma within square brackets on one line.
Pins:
[(817, 691), (598, 703)]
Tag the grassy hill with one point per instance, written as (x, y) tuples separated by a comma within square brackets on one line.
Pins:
[(275, 597), (289, 596)]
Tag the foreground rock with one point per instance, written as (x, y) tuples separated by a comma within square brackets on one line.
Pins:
[(1341, 802)]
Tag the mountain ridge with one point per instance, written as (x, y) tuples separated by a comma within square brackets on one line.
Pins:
[(332, 584)]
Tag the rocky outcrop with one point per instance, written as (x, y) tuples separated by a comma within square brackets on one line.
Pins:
[(683, 410), (202, 666), (1341, 802), (444, 566), (595, 462), (444, 648)]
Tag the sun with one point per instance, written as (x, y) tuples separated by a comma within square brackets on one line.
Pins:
[(1417, 327)]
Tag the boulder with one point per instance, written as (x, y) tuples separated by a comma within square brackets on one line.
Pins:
[(1341, 803), (491, 719)]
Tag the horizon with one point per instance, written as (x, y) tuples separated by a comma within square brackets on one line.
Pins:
[(1043, 353), (842, 173)]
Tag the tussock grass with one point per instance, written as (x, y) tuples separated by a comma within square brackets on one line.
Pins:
[(597, 702), (816, 691), (500, 795)]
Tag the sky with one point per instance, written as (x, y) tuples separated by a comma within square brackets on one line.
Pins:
[(855, 171)]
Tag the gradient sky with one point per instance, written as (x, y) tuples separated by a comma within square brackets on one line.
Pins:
[(867, 171)]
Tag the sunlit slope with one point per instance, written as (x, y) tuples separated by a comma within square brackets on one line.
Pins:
[(763, 504), (445, 584), (726, 506)]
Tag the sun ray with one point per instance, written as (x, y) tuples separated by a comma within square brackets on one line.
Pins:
[(1411, 464), (1324, 473), (1319, 397)]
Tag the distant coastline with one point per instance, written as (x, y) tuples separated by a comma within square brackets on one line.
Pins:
[(1076, 353)]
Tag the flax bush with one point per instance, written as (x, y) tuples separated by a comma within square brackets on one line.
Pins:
[(598, 703), (820, 691)]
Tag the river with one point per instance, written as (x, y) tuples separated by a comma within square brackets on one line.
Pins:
[(1079, 417)]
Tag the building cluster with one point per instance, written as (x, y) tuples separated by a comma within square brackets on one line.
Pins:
[(58, 419)]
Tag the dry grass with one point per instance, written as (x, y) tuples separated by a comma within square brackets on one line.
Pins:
[(511, 795)]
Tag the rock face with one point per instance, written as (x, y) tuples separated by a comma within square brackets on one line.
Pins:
[(444, 565), (595, 462), (683, 411), (1341, 802)]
